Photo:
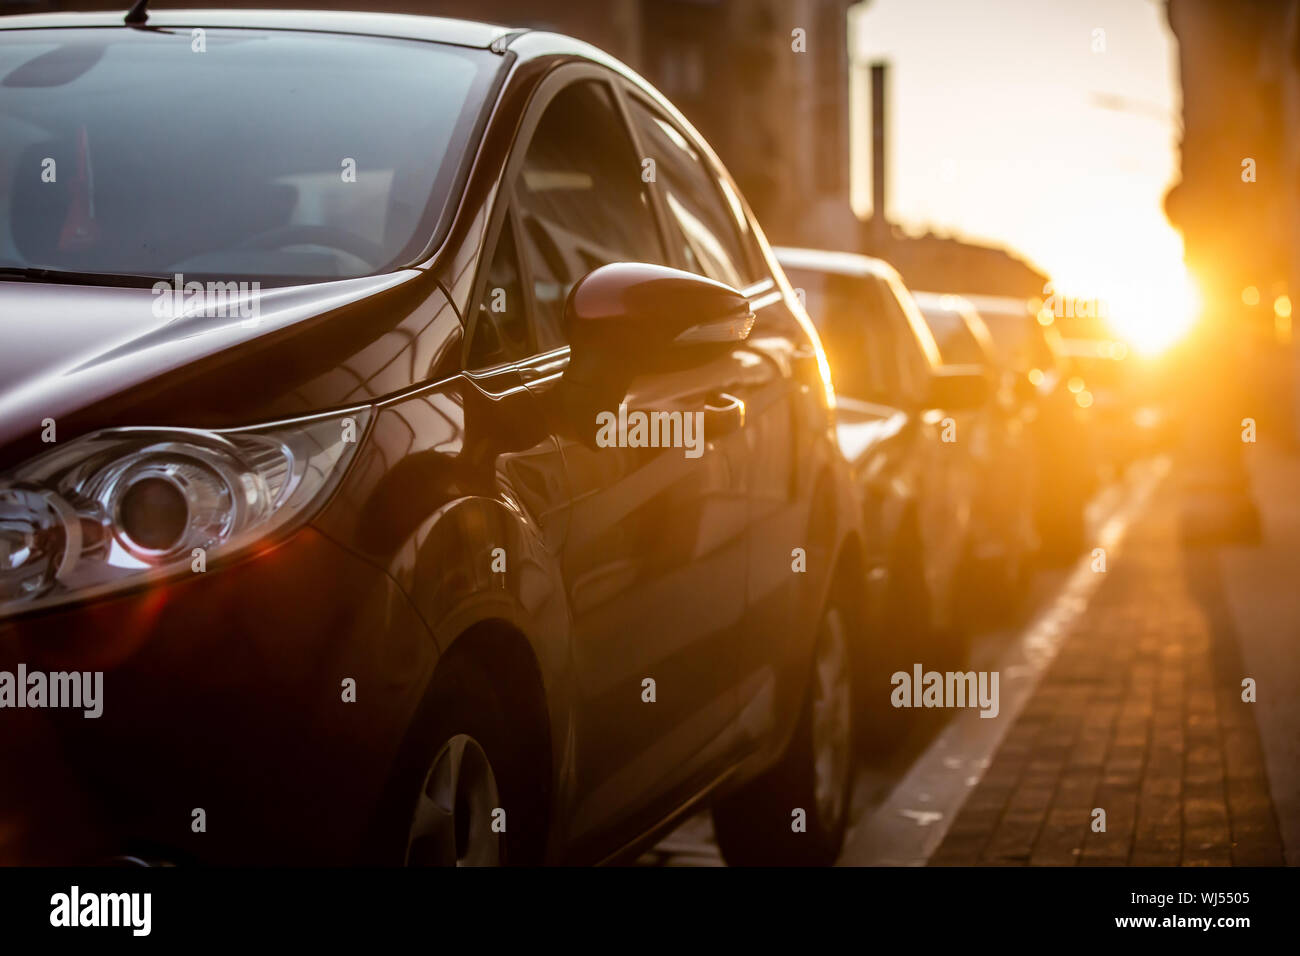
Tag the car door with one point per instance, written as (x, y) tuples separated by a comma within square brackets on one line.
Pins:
[(872, 422), (987, 435), (653, 559), (709, 233), (945, 478)]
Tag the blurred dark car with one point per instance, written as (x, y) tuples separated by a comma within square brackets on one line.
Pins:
[(364, 579), (1065, 466), (901, 417), (1002, 515)]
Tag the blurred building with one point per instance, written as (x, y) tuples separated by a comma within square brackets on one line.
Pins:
[(1238, 207), (938, 263), (932, 262), (1237, 200), (767, 83)]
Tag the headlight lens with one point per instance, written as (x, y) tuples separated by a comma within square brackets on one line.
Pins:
[(126, 506)]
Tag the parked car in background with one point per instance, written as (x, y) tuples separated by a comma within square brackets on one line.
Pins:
[(1004, 537), (1065, 465), (1122, 393), (897, 409), (375, 565)]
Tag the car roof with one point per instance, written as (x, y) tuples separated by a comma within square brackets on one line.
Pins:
[(999, 305), (930, 302), (859, 266), (466, 33), (941, 302), (825, 260)]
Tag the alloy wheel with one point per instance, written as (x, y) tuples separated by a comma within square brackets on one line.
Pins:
[(452, 825)]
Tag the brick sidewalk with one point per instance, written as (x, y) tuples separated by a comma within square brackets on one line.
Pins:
[(1140, 714)]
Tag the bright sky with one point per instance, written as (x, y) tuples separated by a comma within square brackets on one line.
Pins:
[(1006, 127)]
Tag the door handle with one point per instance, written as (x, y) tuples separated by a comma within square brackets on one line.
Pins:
[(723, 413)]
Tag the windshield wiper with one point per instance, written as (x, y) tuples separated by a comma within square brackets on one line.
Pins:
[(63, 277)]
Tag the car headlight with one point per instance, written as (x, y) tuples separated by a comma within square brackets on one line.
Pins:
[(127, 506)]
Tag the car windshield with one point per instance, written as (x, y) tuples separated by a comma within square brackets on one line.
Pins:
[(831, 300), (272, 155), (1019, 339), (843, 309), (957, 346)]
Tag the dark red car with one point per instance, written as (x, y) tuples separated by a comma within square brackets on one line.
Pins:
[(408, 420)]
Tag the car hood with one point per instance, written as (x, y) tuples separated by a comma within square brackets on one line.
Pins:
[(90, 357)]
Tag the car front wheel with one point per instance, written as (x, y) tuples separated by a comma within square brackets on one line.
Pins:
[(453, 824), (476, 804)]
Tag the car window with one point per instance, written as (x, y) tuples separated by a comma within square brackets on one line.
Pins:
[(885, 339), (284, 156), (501, 331), (581, 201), (859, 345), (957, 345), (755, 266), (700, 223), (1020, 340), (913, 364)]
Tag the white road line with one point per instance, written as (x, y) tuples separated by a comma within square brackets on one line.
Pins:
[(909, 825)]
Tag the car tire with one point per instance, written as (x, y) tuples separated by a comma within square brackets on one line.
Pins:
[(797, 813), (474, 805), (906, 635)]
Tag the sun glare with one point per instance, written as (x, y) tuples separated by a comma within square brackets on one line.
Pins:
[(1143, 290), (1155, 317)]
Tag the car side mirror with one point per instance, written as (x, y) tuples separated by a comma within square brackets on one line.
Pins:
[(958, 387), (641, 312), (631, 318)]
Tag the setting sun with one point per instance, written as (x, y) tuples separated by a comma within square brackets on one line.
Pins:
[(1145, 294), (1087, 209), (1157, 315)]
